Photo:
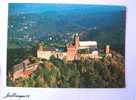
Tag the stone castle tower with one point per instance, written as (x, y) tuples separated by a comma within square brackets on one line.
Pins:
[(108, 52), (77, 39), (40, 47), (73, 48), (107, 49)]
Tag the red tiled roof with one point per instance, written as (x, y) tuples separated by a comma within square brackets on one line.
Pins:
[(71, 46), (26, 73)]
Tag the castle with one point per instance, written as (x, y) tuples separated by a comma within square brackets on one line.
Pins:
[(71, 52), (25, 68)]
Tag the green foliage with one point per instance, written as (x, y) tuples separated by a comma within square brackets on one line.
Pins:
[(87, 73)]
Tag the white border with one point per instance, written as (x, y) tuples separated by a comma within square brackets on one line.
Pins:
[(128, 93)]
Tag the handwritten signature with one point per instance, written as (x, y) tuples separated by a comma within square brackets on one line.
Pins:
[(19, 96)]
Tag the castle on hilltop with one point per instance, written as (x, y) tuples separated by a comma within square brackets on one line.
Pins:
[(72, 50)]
